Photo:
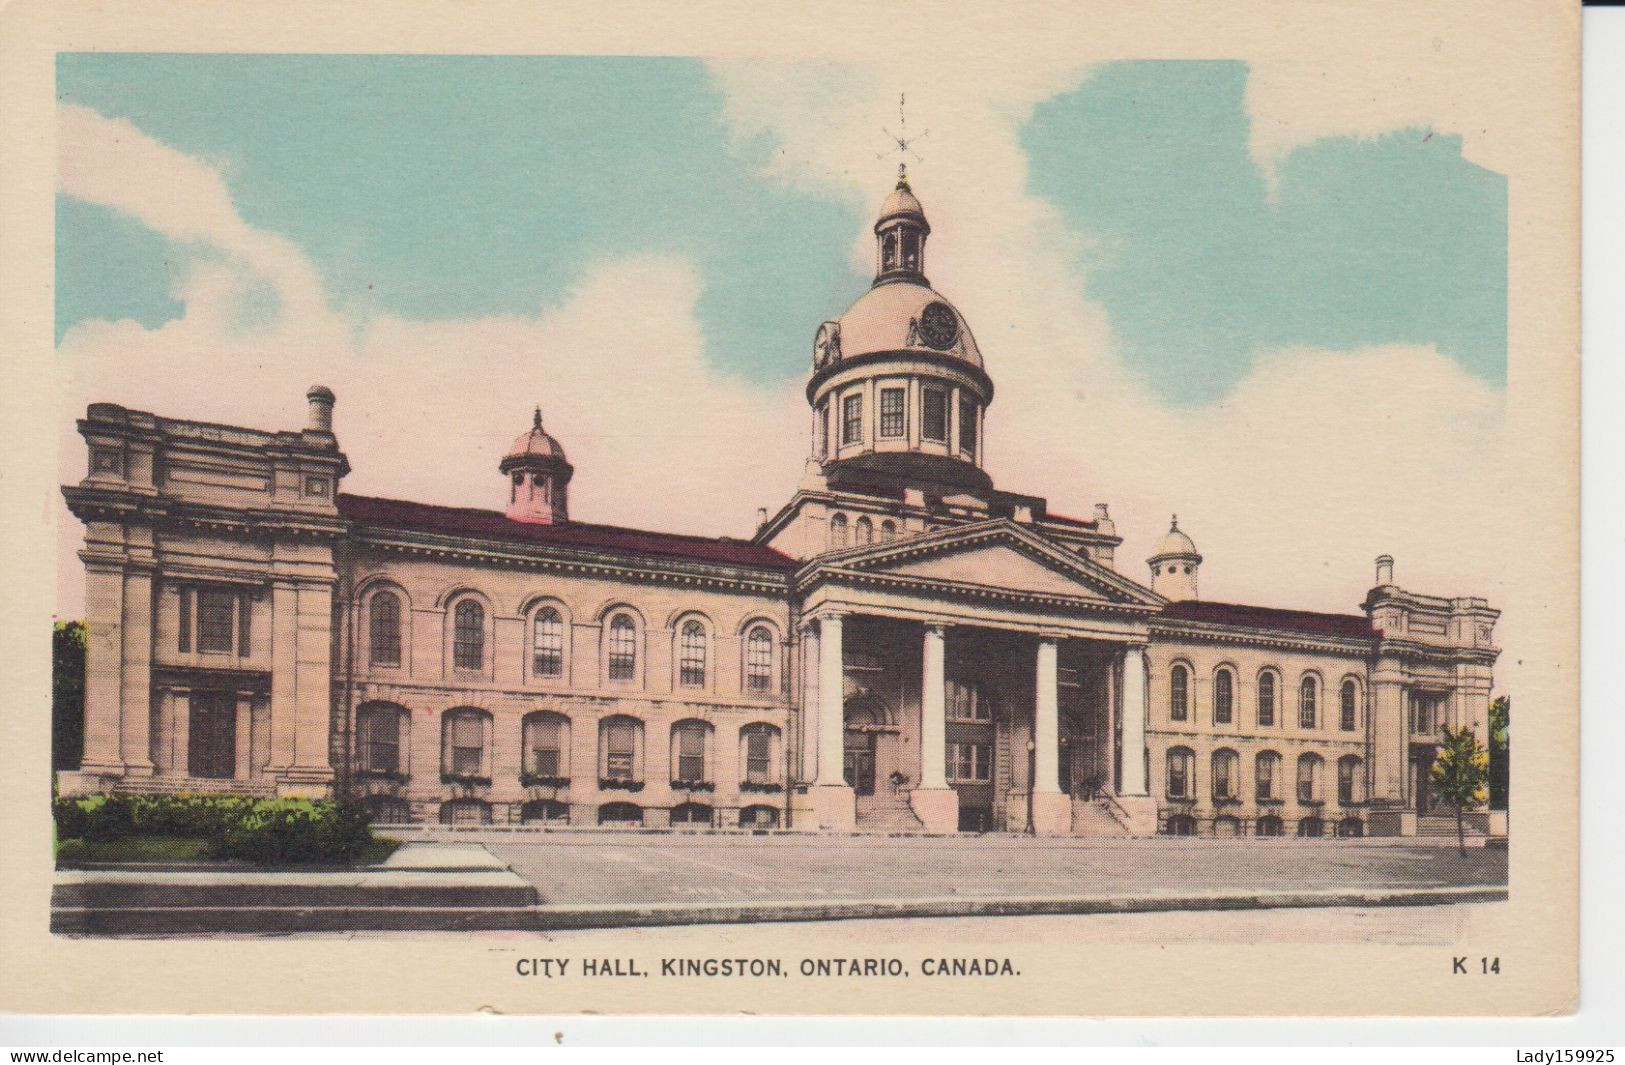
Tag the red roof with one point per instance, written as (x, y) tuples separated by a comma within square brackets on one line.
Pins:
[(1353, 626), (493, 525)]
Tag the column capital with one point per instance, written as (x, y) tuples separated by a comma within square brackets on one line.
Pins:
[(939, 627)]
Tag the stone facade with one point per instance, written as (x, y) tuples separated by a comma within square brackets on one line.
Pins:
[(902, 646)]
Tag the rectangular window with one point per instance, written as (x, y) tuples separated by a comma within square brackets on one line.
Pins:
[(967, 426), (691, 754), (1306, 780), (184, 644), (965, 703), (1266, 778), (467, 745), (1178, 777), (1345, 782), (381, 741), (852, 419), (1221, 778), (214, 611), (619, 748), (821, 430), (934, 414), (545, 743), (758, 758), (970, 763), (893, 422)]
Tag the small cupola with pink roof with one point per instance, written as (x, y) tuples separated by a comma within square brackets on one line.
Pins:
[(538, 477)]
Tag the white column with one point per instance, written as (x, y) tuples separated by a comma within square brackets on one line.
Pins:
[(1134, 721), (933, 711), (1046, 721), (831, 704)]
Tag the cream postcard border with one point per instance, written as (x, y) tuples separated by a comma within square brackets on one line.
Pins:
[(1520, 56)]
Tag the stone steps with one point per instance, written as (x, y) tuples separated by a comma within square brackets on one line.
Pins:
[(1436, 826), (887, 813), (1094, 817)]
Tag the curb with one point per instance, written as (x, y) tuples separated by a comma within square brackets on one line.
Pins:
[(273, 920)]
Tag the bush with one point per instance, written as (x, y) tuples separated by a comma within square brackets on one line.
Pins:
[(298, 832), (268, 832)]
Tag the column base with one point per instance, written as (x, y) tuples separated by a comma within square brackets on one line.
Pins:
[(937, 808), (1141, 812), (1052, 813), (1392, 822), (72, 783), (304, 782), (834, 807)]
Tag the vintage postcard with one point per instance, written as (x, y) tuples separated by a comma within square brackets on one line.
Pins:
[(905, 509)]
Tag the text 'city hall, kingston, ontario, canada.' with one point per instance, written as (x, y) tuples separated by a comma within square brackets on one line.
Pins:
[(902, 647)]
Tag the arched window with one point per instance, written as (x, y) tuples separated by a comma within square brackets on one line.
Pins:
[(865, 532), (1181, 769), (1226, 769), (547, 644), (691, 655), (1179, 692), (464, 740), (1266, 767), (620, 745), (1180, 825), (759, 659), (1308, 694), (759, 817), (1309, 777), (547, 746), (620, 813), (381, 733), (1224, 697), (468, 635), (1348, 717), (1311, 828), (465, 812), (1266, 698), (384, 629), (888, 531), (623, 648), (1348, 780), (691, 813), (1351, 827), (759, 754), (837, 531), (1268, 825), (689, 754)]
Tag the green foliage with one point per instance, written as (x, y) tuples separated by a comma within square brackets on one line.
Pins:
[(67, 694), (1500, 752), (268, 831), (298, 832), (1459, 775), (134, 849)]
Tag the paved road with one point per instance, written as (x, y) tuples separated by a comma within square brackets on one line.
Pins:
[(630, 868)]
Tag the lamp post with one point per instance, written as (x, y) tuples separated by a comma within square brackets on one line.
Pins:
[(1032, 779)]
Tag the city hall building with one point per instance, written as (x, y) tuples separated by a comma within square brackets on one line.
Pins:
[(904, 646)]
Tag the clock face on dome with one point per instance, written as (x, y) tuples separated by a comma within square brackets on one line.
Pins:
[(827, 345), (939, 326)]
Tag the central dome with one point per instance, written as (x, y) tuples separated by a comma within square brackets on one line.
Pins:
[(906, 316)]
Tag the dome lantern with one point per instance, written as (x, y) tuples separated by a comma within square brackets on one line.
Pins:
[(539, 477), (900, 234), (1174, 565)]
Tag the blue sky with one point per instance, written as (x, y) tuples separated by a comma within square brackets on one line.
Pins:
[(450, 188)]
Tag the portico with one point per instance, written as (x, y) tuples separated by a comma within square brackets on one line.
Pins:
[(981, 674)]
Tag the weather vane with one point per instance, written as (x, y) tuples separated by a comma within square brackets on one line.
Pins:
[(905, 143)]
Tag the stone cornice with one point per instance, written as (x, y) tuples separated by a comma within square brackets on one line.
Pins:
[(965, 590), (1276, 639), (94, 503), (1413, 649), (580, 562)]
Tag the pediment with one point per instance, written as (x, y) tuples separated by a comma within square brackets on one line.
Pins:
[(996, 555)]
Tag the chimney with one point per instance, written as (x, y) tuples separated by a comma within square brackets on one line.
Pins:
[(1385, 570), (320, 398), (1103, 520), (761, 517)]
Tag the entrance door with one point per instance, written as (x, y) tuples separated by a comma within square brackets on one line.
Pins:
[(211, 742), (1423, 794), (860, 762)]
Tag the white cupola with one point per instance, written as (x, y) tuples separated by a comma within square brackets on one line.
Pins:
[(538, 477), (1174, 565)]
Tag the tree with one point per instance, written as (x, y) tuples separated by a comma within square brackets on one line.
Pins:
[(1500, 751), (67, 694), (1459, 774)]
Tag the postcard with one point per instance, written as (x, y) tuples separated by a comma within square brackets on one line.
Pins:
[(907, 510)]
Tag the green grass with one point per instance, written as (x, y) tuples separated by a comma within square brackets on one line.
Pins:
[(175, 849)]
